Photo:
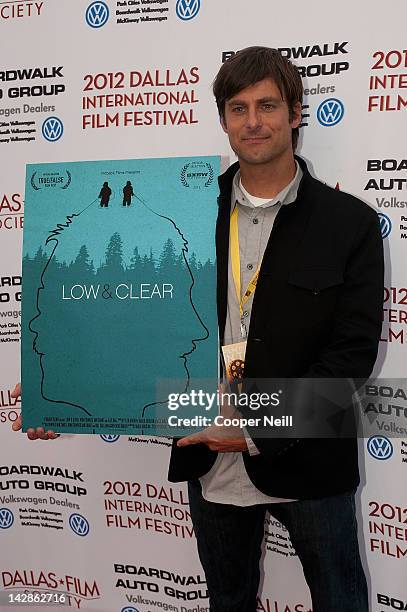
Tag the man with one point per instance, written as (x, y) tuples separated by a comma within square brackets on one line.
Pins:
[(104, 195), (313, 311), (128, 193)]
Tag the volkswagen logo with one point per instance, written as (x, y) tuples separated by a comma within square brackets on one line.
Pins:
[(129, 609), (52, 129), (109, 438), (79, 524), (380, 447), (188, 9), (330, 112), (97, 14), (385, 225), (6, 518)]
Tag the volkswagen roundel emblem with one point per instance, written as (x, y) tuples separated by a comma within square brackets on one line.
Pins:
[(6, 518), (109, 438), (385, 225), (129, 609), (380, 447), (330, 112), (79, 524), (188, 9), (97, 14), (52, 129)]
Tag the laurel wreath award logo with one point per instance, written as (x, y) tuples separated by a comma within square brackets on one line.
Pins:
[(197, 175), (56, 179)]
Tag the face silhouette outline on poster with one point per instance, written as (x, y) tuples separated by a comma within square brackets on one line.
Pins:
[(72, 360)]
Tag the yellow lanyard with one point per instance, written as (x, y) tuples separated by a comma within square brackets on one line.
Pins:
[(235, 257)]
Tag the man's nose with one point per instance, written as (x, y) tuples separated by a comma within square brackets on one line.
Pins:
[(253, 118)]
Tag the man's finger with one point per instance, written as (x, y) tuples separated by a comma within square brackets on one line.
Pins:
[(41, 433), (52, 435), (17, 425), (16, 392), (31, 434), (195, 438)]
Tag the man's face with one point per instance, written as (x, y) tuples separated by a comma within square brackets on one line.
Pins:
[(258, 123)]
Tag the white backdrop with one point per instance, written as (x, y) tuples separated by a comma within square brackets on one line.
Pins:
[(94, 68)]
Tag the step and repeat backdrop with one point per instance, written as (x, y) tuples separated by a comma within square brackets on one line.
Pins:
[(92, 520)]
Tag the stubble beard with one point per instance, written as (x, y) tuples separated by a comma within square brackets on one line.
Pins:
[(261, 158)]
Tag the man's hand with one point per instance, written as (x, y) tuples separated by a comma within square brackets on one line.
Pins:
[(32, 434), (218, 438)]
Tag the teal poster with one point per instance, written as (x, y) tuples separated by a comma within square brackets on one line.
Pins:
[(119, 291)]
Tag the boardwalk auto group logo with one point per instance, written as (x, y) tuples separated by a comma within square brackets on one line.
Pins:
[(52, 129), (97, 14), (188, 9), (79, 524), (6, 518), (380, 447), (385, 225), (330, 112)]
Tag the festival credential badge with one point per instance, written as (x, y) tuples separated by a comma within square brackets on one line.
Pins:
[(234, 356)]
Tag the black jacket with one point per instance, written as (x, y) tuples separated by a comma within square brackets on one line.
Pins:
[(316, 313)]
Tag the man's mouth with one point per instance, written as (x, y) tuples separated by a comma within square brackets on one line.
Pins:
[(255, 139)]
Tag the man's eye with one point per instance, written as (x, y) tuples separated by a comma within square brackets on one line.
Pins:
[(238, 109), (268, 106)]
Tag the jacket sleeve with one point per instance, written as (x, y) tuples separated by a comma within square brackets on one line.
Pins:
[(356, 329), (347, 360)]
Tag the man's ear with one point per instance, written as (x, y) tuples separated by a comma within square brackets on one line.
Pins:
[(296, 115), (223, 123)]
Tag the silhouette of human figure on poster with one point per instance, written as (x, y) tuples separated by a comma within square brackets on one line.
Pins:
[(104, 195), (128, 193)]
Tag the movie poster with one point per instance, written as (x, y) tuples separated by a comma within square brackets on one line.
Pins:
[(119, 290)]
